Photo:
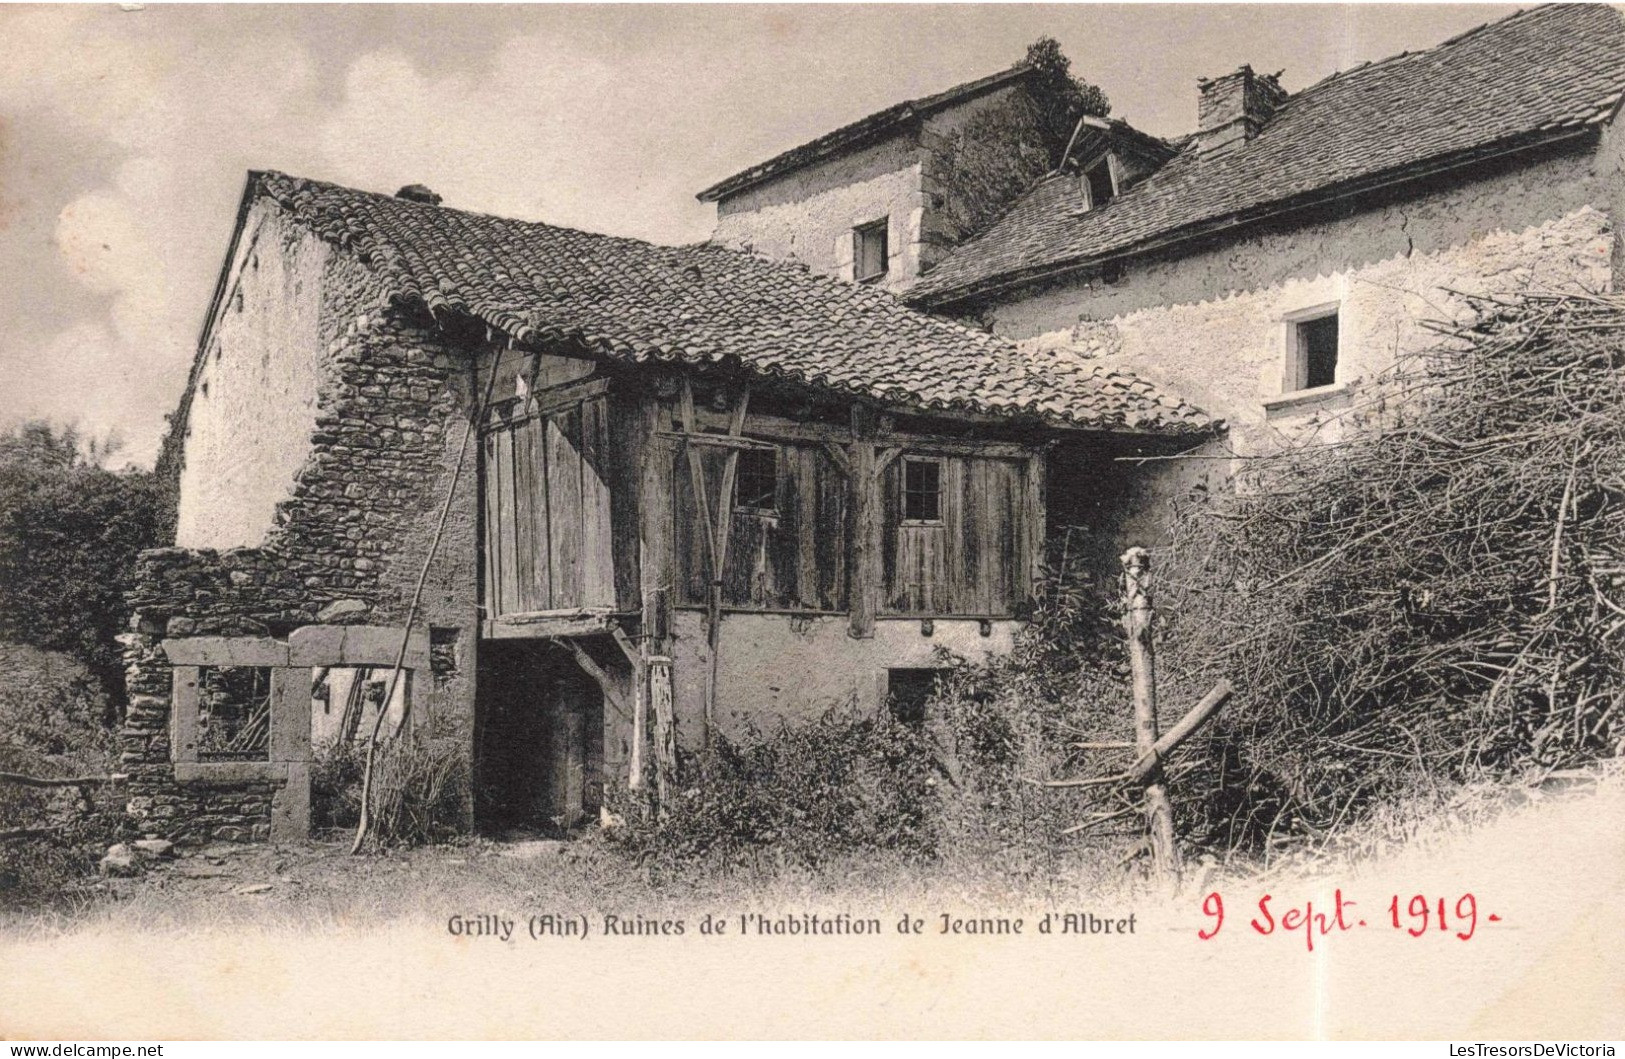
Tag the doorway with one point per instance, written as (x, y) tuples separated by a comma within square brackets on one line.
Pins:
[(539, 754)]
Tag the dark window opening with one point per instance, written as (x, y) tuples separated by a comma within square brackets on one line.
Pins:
[(908, 691), (1317, 352), (922, 490), (756, 480), (1098, 179), (234, 713), (870, 251)]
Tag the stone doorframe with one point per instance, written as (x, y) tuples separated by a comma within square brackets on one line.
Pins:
[(287, 763)]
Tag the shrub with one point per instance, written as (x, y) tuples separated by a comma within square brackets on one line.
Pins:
[(50, 726), (805, 795), (1437, 599), (420, 788), (335, 784), (69, 534)]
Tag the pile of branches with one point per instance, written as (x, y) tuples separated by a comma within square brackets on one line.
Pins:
[(1436, 596)]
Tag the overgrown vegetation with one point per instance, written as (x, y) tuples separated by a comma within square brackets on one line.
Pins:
[(1001, 150), (69, 534), (51, 711), (1432, 602), (420, 788), (959, 792), (1438, 597)]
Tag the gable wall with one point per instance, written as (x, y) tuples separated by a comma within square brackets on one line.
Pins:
[(253, 404), (343, 546), (1209, 325), (808, 214)]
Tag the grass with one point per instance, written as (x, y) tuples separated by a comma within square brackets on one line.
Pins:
[(321, 888)]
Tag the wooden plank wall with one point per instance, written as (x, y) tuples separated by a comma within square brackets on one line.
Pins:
[(792, 559), (973, 560), (548, 537)]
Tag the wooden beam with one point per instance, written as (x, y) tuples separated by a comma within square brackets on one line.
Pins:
[(665, 733), (546, 402), (20, 780), (884, 458), (838, 457), (550, 624), (1198, 715), (721, 441), (863, 588), (640, 707), (612, 694), (655, 587), (1033, 525)]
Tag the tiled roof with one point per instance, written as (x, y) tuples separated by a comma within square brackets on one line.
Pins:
[(635, 301), (882, 121), (1537, 73)]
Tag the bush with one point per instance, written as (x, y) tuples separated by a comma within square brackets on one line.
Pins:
[(1437, 599), (50, 726), (958, 791), (804, 796), (69, 535), (420, 788)]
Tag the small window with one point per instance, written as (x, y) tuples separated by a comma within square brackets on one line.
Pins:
[(1098, 188), (234, 713), (870, 251), (922, 490), (908, 691), (1314, 359), (756, 480)]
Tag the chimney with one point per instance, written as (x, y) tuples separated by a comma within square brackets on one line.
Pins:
[(418, 193), (1232, 109)]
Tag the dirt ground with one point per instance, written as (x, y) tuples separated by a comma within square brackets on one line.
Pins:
[(313, 943)]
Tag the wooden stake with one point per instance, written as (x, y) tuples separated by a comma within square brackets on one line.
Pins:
[(665, 734), (1159, 810)]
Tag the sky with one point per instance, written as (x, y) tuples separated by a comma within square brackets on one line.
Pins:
[(125, 134)]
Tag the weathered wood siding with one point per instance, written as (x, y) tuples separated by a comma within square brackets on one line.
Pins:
[(548, 534), (973, 560), (794, 558)]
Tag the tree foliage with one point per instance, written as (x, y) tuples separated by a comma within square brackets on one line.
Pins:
[(1002, 149), (1061, 98), (69, 534)]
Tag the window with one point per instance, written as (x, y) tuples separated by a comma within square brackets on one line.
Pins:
[(1098, 186), (756, 480), (907, 692), (922, 490), (1312, 358), (234, 713), (869, 250)]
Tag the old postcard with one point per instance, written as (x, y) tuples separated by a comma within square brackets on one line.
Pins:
[(754, 521)]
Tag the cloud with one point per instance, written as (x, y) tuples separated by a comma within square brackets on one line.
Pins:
[(145, 241)]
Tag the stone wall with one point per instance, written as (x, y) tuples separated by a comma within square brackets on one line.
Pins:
[(345, 545)]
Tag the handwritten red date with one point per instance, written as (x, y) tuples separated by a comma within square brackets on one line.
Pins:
[(1417, 915)]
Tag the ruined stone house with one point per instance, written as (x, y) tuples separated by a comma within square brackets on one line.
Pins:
[(642, 495), (706, 492)]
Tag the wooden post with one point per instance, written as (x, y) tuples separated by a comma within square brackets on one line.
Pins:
[(1159, 810), (655, 572), (864, 587), (665, 734)]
